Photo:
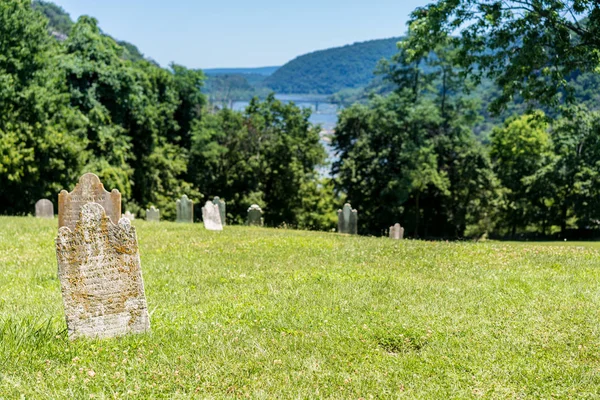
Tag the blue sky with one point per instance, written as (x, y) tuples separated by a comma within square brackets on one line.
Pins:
[(242, 33)]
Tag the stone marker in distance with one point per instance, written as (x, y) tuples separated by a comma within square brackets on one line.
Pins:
[(128, 215), (185, 210), (88, 190), (255, 216), (212, 217), (396, 232), (153, 214), (100, 276), (222, 209), (348, 220), (44, 209)]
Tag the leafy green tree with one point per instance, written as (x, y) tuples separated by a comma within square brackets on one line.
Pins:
[(41, 140), (406, 156), (268, 155), (573, 175), (519, 149), (528, 47)]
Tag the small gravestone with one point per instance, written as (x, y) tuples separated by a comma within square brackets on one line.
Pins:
[(44, 209), (153, 214), (185, 210), (88, 190), (128, 216), (255, 216), (100, 276), (396, 232), (348, 220), (212, 217), (222, 209)]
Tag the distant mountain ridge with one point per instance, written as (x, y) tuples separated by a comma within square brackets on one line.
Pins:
[(331, 70), (264, 71)]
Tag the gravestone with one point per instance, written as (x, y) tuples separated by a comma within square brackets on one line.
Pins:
[(128, 216), (153, 214), (348, 220), (44, 209), (211, 217), (88, 190), (396, 232), (222, 209), (100, 276), (255, 216), (185, 210)]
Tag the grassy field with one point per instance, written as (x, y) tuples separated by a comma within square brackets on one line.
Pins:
[(265, 313)]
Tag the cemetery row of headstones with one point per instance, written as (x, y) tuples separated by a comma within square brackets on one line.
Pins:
[(99, 265), (213, 213)]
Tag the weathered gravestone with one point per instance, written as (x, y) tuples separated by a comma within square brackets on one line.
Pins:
[(348, 220), (396, 232), (211, 217), (222, 209), (44, 209), (88, 190), (128, 216), (153, 214), (100, 276), (185, 210), (255, 216)]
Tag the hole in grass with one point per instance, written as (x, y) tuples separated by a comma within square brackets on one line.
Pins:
[(401, 343)]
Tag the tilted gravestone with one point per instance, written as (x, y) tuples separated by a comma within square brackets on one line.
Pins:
[(396, 232), (212, 217), (153, 214), (100, 276), (128, 215), (222, 209), (255, 216), (185, 210), (348, 220), (88, 190), (44, 209)]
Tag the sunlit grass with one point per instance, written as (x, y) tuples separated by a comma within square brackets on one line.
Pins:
[(265, 313)]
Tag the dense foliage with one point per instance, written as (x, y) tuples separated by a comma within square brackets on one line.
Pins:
[(529, 47), (412, 155), (329, 71), (78, 105), (442, 147)]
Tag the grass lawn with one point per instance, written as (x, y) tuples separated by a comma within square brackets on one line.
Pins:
[(265, 313)]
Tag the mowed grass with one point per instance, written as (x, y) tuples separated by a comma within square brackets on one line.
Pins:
[(264, 313)]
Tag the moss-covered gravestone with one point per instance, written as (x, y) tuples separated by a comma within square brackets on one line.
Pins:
[(255, 216), (88, 190), (348, 220), (396, 232), (185, 210), (100, 276), (222, 209), (153, 214), (44, 209)]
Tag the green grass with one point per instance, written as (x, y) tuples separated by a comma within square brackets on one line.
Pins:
[(265, 313)]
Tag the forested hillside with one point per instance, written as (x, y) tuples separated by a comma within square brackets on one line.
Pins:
[(263, 71), (329, 71), (60, 24)]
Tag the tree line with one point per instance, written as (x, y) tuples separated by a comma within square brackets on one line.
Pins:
[(415, 156)]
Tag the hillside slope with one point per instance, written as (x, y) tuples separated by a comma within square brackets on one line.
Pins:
[(60, 24), (329, 71)]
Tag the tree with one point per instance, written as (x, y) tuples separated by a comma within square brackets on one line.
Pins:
[(529, 47), (268, 155), (42, 146), (519, 149)]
